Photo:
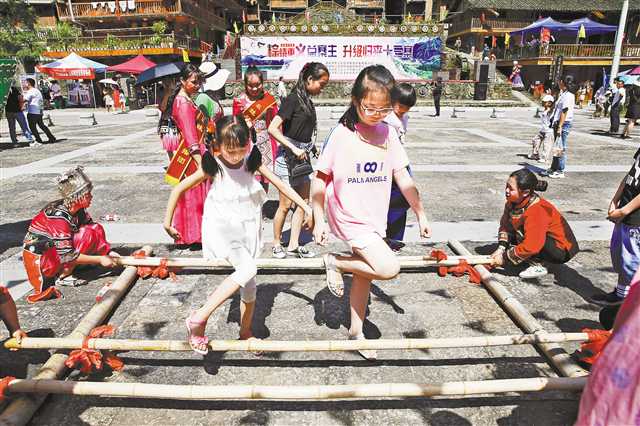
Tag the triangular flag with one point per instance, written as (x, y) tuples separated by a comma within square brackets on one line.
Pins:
[(273, 17), (185, 56), (235, 27), (506, 39), (582, 33), (409, 16)]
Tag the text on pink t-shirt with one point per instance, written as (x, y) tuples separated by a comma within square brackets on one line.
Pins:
[(360, 174)]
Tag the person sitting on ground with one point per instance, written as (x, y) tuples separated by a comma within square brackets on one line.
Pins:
[(532, 229), (403, 98), (539, 149), (9, 315), (63, 235)]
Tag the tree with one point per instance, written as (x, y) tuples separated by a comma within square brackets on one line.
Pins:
[(18, 35)]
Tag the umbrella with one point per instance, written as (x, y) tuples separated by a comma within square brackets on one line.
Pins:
[(107, 81), (157, 73), (634, 71), (628, 79)]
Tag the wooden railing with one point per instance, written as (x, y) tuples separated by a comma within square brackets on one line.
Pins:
[(571, 51), (289, 4), (476, 24), (136, 8), (365, 4)]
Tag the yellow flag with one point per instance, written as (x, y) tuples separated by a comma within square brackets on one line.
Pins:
[(582, 33), (273, 18), (235, 27), (185, 56), (507, 38)]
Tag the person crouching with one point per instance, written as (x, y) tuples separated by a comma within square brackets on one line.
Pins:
[(63, 235), (532, 229)]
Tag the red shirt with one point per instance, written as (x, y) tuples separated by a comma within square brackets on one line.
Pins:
[(530, 226)]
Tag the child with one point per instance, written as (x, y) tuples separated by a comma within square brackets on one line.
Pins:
[(532, 230), (63, 235), (539, 149), (624, 211), (108, 100), (231, 222), (360, 158), (403, 98), (9, 315)]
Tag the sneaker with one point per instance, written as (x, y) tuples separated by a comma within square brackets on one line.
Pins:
[(70, 281), (278, 252), (546, 172), (533, 157), (542, 160), (35, 144), (556, 175), (606, 299), (394, 245), (535, 270), (301, 252)]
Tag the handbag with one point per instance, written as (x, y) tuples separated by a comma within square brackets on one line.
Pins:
[(300, 168)]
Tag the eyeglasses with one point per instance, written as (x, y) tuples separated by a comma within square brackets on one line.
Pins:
[(375, 111)]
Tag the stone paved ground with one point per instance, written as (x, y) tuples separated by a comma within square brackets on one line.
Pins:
[(460, 166)]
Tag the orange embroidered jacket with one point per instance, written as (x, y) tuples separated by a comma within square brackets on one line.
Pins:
[(529, 227)]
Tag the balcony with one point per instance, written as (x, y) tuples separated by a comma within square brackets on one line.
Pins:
[(571, 51), (288, 4), (139, 9), (112, 45), (475, 25), (365, 4)]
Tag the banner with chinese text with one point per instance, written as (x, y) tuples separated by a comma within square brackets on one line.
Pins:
[(408, 58)]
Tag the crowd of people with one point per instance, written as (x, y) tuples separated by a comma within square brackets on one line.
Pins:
[(221, 166)]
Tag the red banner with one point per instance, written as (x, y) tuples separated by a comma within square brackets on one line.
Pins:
[(69, 73)]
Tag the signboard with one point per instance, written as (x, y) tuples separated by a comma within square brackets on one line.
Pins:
[(69, 73), (408, 58)]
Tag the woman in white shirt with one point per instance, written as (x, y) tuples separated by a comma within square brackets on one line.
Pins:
[(562, 118)]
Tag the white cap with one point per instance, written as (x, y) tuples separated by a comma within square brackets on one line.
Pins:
[(215, 78), (547, 98)]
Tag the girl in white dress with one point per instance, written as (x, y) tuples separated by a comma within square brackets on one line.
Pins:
[(231, 221)]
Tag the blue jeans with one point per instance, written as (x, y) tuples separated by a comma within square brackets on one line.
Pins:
[(564, 134)]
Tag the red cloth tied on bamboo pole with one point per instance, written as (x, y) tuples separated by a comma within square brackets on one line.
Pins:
[(458, 270), (597, 341), (4, 385), (88, 359), (162, 271)]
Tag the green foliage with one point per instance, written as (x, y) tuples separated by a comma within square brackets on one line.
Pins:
[(18, 36), (159, 27), (62, 36)]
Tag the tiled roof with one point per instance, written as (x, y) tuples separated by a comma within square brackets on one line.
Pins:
[(553, 5)]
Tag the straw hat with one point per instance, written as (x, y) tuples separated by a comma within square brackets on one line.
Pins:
[(215, 78)]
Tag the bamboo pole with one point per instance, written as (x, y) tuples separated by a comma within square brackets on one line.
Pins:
[(314, 392), (254, 345), (317, 263), (557, 357), (20, 411)]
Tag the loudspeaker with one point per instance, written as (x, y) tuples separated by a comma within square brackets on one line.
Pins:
[(480, 91), (484, 74)]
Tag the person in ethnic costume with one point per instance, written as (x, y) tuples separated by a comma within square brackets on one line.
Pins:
[(258, 108), (192, 127), (63, 235), (532, 229)]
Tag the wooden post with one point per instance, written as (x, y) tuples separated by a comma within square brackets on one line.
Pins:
[(313, 392), (295, 346), (558, 358), (20, 411)]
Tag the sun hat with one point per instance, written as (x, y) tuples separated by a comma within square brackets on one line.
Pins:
[(215, 77)]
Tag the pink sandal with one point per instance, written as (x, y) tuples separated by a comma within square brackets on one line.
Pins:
[(196, 340)]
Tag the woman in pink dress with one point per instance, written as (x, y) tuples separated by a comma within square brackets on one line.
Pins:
[(182, 110), (253, 94)]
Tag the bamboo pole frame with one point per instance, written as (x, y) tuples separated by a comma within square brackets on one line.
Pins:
[(557, 357), (317, 263), (254, 345), (20, 411), (315, 392)]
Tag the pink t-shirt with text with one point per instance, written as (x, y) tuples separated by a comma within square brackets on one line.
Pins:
[(360, 175)]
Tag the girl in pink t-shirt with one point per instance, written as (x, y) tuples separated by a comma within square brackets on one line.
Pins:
[(361, 158)]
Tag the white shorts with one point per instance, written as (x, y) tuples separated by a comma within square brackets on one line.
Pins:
[(364, 240)]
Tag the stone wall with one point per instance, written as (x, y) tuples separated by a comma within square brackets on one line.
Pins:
[(462, 90)]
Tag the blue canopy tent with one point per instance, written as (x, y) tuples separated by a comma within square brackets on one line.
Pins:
[(590, 27), (537, 26)]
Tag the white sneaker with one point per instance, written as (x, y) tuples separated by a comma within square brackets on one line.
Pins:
[(35, 144), (535, 270), (70, 281), (556, 175)]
